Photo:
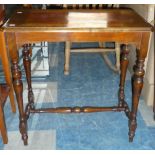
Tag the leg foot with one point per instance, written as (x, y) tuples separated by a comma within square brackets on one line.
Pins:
[(23, 130), (66, 72), (132, 129), (25, 142), (137, 85)]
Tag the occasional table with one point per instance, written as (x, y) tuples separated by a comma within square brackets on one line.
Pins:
[(119, 25)]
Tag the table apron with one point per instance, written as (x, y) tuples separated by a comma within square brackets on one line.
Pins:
[(122, 37)]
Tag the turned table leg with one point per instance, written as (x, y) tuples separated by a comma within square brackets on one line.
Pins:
[(17, 84), (137, 83), (123, 68), (18, 87), (27, 53)]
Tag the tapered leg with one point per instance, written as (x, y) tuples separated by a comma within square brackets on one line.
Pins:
[(123, 68), (27, 53), (67, 57), (18, 84), (137, 82)]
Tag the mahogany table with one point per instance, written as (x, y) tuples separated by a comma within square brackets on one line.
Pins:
[(121, 25)]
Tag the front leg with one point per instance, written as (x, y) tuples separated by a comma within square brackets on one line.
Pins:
[(17, 83), (27, 53), (18, 87), (137, 85), (137, 82)]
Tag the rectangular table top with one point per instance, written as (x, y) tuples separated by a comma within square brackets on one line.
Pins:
[(82, 20)]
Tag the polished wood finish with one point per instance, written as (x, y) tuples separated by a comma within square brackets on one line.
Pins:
[(123, 68), (27, 53), (74, 20), (137, 82), (7, 71), (30, 26), (17, 83), (5, 61), (4, 92), (78, 109), (124, 65), (102, 48)]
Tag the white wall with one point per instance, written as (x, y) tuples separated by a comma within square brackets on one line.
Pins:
[(147, 12)]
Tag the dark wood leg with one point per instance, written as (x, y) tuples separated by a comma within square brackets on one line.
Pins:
[(18, 87), (137, 83), (27, 53), (17, 83), (123, 68)]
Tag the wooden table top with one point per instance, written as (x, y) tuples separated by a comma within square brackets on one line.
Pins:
[(76, 20)]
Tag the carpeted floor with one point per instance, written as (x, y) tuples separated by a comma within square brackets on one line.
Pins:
[(90, 82)]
